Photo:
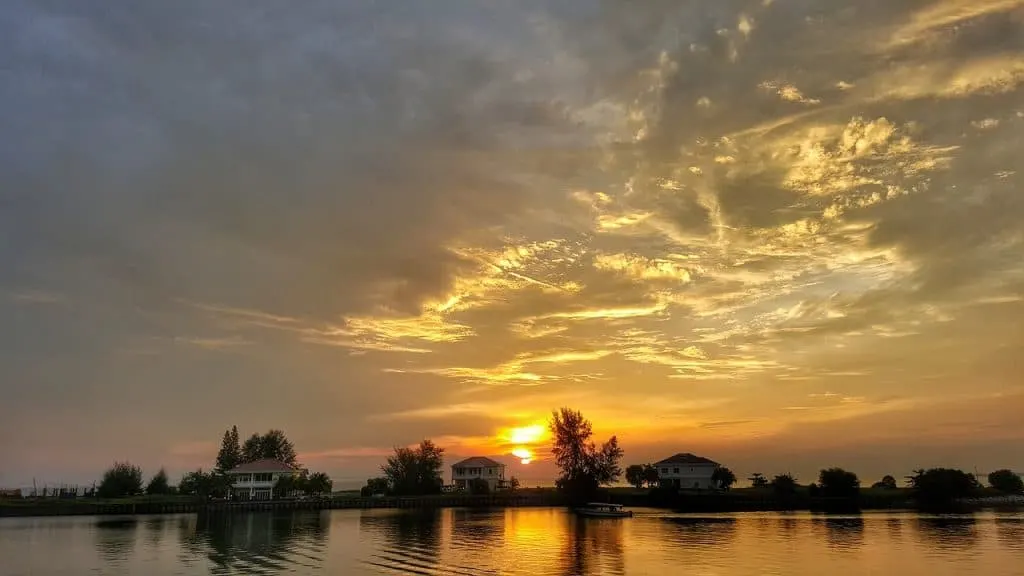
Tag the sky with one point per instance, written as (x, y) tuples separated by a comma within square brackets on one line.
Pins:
[(781, 234)]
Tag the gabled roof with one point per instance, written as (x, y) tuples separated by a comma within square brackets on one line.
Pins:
[(686, 458), (262, 466), (477, 462)]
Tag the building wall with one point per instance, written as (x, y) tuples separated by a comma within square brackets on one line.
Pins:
[(255, 486), (686, 476)]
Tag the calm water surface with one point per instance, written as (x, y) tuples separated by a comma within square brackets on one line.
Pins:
[(535, 542)]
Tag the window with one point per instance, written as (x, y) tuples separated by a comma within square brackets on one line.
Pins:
[(664, 470)]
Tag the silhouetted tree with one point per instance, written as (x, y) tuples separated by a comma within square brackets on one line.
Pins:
[(838, 483), (121, 479), (230, 454), (723, 478), (273, 445), (757, 480), (1006, 481), (375, 486), (414, 471), (584, 467), (513, 484), (158, 484), (204, 484), (651, 475), (320, 483), (784, 485), (886, 483), (940, 487), (635, 475)]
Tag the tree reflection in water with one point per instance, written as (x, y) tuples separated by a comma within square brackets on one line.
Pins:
[(700, 532), (1010, 531), (257, 542), (405, 540), (593, 546), (843, 532), (949, 532), (115, 539)]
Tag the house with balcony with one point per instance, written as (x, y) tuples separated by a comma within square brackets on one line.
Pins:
[(256, 480), (478, 468), (685, 471)]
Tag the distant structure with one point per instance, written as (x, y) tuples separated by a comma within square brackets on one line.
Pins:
[(478, 468), (684, 471), (256, 480)]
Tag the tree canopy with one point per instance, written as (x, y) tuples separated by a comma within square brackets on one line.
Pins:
[(886, 483), (273, 445), (415, 471), (938, 487), (583, 466), (230, 454), (1006, 481), (784, 485), (121, 479), (204, 484), (635, 475), (158, 484), (838, 483), (757, 480), (723, 478)]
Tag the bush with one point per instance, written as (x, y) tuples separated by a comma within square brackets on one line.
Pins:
[(1006, 482), (122, 479), (942, 486), (838, 483)]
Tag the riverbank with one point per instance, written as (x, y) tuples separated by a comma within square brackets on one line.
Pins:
[(738, 500)]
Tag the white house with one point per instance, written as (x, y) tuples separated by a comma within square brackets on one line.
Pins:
[(255, 480), (481, 468), (686, 471)]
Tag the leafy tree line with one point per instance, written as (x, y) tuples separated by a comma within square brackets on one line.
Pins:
[(125, 479), (418, 472)]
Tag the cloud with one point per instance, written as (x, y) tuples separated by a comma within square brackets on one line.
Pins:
[(725, 221)]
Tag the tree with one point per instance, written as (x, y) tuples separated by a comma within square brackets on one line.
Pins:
[(513, 484), (838, 483), (415, 471), (584, 467), (273, 445), (939, 487), (158, 483), (635, 475), (319, 483), (204, 484), (651, 476), (723, 478), (784, 485), (375, 486), (757, 480), (1006, 481), (230, 454), (121, 479), (886, 483)]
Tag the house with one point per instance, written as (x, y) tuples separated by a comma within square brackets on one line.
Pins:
[(256, 480), (480, 468), (686, 471)]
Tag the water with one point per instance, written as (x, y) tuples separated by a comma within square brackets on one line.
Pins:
[(535, 542)]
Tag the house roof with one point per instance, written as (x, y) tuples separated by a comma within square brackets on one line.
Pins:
[(686, 458), (262, 466), (477, 461)]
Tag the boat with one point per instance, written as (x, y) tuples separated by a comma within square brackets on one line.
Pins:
[(601, 510)]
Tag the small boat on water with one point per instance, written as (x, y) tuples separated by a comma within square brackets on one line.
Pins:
[(600, 510)]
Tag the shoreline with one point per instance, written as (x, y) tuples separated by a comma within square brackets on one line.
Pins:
[(734, 501)]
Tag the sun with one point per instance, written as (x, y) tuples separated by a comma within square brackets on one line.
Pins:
[(524, 454)]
